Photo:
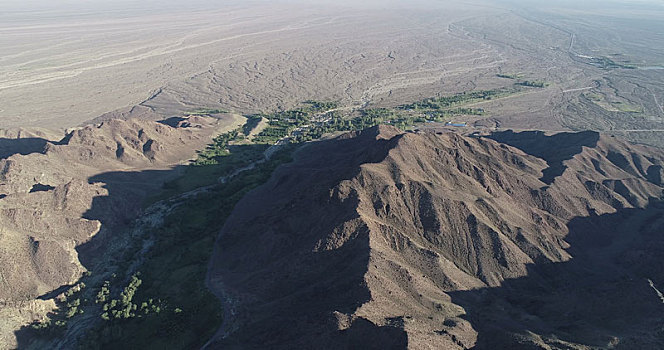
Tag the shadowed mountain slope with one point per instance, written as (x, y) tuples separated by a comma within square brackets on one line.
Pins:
[(440, 241), (54, 200)]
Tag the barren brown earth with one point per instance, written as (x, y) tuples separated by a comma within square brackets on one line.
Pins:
[(65, 67), (382, 239), (55, 196)]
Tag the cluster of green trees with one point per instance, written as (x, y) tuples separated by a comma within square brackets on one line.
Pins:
[(68, 306), (366, 119), (607, 63), (73, 308), (74, 300), (281, 124), (104, 293), (206, 111), (533, 83), (441, 115), (529, 83), (272, 133), (437, 103), (219, 148), (509, 76), (337, 122), (174, 270), (124, 306), (320, 106)]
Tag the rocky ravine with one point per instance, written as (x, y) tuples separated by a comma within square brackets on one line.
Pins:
[(56, 195), (383, 239)]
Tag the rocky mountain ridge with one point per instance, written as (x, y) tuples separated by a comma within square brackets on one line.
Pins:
[(55, 196), (385, 239)]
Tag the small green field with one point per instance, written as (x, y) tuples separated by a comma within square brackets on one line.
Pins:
[(626, 107), (533, 83), (608, 63), (613, 104), (510, 76), (207, 111)]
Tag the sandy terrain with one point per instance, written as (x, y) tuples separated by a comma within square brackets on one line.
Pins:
[(250, 56)]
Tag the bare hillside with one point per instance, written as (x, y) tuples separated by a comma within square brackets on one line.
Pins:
[(53, 200), (383, 239)]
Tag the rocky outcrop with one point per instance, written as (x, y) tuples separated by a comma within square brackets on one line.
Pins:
[(54, 198), (442, 241)]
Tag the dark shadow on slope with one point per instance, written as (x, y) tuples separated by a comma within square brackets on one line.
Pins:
[(296, 310), (175, 122), (28, 145), (24, 146), (173, 269), (600, 298), (266, 256), (54, 293), (187, 235), (365, 335), (127, 192), (655, 174), (554, 149), (41, 188)]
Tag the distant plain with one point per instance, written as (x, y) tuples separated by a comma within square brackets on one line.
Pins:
[(65, 67)]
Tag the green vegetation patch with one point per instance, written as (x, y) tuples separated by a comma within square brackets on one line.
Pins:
[(533, 83), (594, 97), (463, 98), (218, 149), (207, 111), (320, 106), (607, 63), (626, 107), (282, 124), (510, 76), (169, 306), (69, 305), (613, 106)]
